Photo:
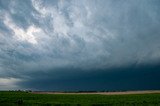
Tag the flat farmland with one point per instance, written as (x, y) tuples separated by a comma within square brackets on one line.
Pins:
[(131, 98)]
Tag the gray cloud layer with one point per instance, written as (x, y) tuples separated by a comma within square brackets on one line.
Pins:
[(40, 36)]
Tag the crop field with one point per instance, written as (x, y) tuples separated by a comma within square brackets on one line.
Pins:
[(12, 98)]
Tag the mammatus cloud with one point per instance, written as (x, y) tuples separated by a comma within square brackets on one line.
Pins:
[(47, 36)]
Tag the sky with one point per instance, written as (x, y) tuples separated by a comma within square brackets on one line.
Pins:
[(79, 44)]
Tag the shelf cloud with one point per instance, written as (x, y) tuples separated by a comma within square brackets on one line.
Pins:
[(62, 38)]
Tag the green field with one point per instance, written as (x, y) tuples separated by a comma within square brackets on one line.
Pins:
[(29, 99)]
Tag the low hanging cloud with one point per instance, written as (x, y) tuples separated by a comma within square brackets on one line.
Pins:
[(47, 36)]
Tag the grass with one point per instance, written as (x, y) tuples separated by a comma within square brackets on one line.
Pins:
[(29, 99)]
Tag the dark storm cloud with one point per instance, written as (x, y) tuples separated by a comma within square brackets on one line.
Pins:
[(128, 78), (61, 39)]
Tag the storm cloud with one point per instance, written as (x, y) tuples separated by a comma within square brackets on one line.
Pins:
[(57, 41)]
